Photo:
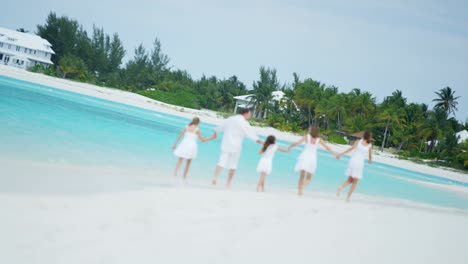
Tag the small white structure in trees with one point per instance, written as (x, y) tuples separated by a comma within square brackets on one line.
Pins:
[(462, 136), (23, 50), (246, 101)]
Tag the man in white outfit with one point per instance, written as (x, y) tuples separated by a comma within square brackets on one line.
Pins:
[(235, 128)]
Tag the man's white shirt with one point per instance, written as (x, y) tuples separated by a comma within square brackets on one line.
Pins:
[(235, 128)]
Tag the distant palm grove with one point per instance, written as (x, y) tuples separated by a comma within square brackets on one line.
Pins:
[(412, 130)]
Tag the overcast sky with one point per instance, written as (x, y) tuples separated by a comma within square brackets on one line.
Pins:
[(417, 46)]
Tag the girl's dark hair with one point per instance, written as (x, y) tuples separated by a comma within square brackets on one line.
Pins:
[(244, 111), (314, 131), (195, 121), (269, 141), (367, 136)]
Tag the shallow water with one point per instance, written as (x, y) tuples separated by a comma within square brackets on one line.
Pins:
[(47, 125)]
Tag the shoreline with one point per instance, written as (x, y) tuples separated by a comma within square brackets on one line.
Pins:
[(207, 116)]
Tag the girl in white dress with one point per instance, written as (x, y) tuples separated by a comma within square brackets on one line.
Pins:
[(307, 161), (187, 149), (265, 164), (361, 148)]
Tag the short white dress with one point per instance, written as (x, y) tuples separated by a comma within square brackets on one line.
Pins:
[(307, 161), (266, 162), (356, 162), (188, 148)]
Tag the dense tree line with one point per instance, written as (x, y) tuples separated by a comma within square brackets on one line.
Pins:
[(396, 123)]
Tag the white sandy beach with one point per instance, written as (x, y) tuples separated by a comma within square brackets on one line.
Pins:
[(99, 215), (193, 225)]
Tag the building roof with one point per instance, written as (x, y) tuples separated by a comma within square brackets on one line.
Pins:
[(27, 40), (277, 96), (41, 60), (462, 136)]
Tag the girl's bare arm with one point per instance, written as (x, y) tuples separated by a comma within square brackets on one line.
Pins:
[(202, 139), (349, 150), (179, 137), (284, 150), (327, 147), (302, 140)]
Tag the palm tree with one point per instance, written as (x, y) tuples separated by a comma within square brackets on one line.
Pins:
[(334, 108), (447, 100), (262, 91), (308, 95), (435, 126), (414, 119), (362, 102), (357, 123), (396, 99), (390, 116)]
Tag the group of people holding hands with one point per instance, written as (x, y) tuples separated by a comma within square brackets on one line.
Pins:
[(237, 127)]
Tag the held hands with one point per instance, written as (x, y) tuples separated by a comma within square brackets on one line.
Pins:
[(338, 157), (214, 136)]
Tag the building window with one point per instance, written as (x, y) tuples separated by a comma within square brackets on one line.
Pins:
[(18, 48), (25, 50), (34, 52), (9, 46), (30, 51), (1, 44)]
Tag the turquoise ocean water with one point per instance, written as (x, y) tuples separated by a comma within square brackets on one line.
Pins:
[(43, 124)]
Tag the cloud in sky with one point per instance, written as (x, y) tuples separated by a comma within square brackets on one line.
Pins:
[(415, 46)]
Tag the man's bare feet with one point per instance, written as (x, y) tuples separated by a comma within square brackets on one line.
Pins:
[(213, 182)]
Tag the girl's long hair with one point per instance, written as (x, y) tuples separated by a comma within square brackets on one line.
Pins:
[(195, 121), (269, 141), (314, 131), (367, 136)]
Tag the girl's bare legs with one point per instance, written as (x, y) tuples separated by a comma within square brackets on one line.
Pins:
[(187, 167), (301, 183), (351, 190), (231, 174), (177, 167), (348, 181), (308, 179), (261, 182)]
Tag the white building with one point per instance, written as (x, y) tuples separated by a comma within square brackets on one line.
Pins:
[(245, 101), (24, 50), (462, 136)]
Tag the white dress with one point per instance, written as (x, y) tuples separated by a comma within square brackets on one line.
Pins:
[(356, 162), (307, 161), (266, 162), (187, 149)]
